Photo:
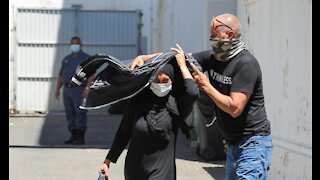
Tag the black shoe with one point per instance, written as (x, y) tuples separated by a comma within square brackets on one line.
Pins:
[(78, 141), (79, 138), (72, 137)]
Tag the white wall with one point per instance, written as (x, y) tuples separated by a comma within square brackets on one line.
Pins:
[(165, 23), (186, 22), (279, 35), (11, 59), (144, 6), (178, 21)]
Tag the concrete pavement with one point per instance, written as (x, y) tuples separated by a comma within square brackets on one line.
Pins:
[(36, 151)]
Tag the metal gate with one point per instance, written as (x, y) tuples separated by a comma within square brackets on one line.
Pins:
[(42, 40)]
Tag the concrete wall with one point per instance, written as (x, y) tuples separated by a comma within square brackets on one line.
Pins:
[(186, 22), (178, 21), (279, 35)]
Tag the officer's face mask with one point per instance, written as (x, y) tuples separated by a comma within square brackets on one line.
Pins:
[(161, 89), (75, 48)]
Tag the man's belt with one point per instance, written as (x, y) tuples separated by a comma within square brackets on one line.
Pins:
[(67, 84)]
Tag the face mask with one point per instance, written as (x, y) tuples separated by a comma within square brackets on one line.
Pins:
[(224, 50), (75, 48), (160, 89)]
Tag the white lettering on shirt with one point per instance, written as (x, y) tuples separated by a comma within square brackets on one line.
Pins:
[(220, 78)]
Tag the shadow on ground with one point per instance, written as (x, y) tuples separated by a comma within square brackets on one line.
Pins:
[(218, 171), (99, 134), (50, 131)]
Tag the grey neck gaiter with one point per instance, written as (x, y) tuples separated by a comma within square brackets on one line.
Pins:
[(226, 50)]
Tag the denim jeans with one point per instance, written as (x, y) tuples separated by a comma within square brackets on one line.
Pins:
[(249, 159), (76, 117)]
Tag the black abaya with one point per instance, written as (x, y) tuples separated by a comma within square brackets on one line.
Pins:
[(151, 123)]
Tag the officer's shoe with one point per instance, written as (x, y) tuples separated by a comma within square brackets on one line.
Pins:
[(78, 141), (79, 138), (72, 137)]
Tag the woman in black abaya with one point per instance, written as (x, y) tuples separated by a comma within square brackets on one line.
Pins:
[(150, 124)]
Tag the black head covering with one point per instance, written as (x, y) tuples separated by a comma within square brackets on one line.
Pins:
[(168, 70)]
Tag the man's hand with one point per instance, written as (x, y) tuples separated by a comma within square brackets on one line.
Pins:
[(59, 85), (57, 94), (138, 61), (201, 79)]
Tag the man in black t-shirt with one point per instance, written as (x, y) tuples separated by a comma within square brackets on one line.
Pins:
[(235, 86)]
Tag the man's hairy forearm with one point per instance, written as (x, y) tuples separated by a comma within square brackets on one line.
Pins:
[(224, 102)]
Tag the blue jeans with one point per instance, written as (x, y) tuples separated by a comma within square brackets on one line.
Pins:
[(249, 159), (76, 117)]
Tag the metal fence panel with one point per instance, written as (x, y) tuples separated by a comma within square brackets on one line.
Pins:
[(35, 95), (43, 37), (45, 26), (111, 28)]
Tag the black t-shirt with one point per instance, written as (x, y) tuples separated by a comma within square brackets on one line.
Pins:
[(240, 74)]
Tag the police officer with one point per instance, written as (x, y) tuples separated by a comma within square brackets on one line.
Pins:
[(73, 95)]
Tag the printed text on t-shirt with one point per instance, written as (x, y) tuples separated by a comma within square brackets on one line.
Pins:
[(220, 78)]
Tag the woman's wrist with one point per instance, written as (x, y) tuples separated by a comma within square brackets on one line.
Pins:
[(185, 72), (107, 162)]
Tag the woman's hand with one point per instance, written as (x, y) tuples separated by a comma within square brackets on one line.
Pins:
[(104, 168), (181, 60), (138, 61)]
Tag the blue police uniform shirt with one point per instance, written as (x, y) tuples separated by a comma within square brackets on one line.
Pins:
[(69, 65)]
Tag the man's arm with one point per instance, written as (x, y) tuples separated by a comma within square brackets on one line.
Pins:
[(58, 87), (89, 82), (233, 104)]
